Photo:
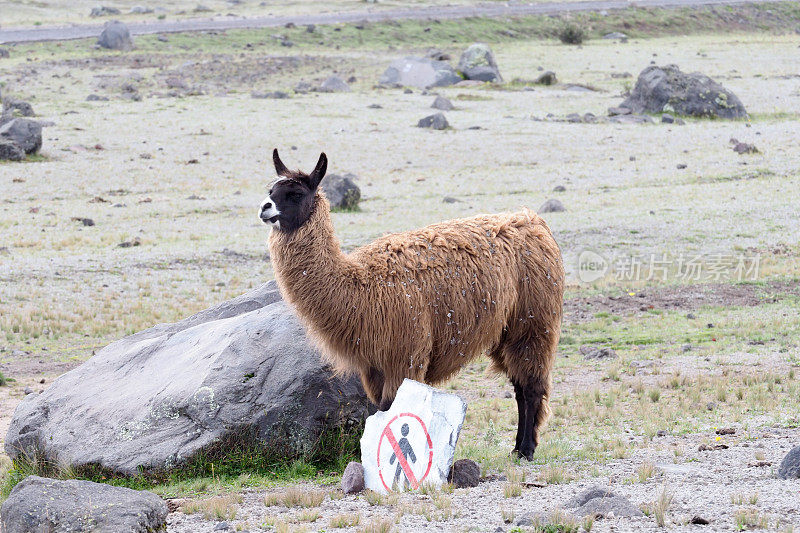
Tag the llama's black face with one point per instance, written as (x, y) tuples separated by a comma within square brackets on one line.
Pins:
[(291, 198)]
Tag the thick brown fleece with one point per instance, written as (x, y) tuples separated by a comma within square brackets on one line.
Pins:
[(423, 303)]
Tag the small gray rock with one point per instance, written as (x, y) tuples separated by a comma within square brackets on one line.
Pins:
[(140, 10), (10, 151), (302, 87), (115, 36), (552, 206), (342, 191), (547, 78), (442, 104), (277, 95), (435, 122), (666, 118), (450, 200), (559, 188), (222, 526), (353, 478), (790, 466), (617, 505), (334, 84), (615, 35), (41, 504), (614, 111), (593, 352), (4, 53), (465, 473), (26, 133), (96, 98)]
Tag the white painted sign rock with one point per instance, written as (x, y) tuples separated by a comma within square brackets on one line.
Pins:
[(412, 443)]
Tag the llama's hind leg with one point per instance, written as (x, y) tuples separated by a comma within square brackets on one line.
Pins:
[(521, 414), (535, 396), (372, 381)]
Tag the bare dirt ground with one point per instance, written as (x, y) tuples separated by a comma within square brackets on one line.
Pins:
[(174, 163)]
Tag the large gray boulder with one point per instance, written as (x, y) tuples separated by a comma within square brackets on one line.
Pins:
[(115, 36), (55, 506), (419, 72), (478, 63), (668, 90), (342, 191), (790, 466), (239, 374), (24, 132)]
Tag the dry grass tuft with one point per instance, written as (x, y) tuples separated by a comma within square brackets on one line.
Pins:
[(344, 520), (216, 508)]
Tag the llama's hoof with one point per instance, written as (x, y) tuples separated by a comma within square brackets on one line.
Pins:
[(524, 454)]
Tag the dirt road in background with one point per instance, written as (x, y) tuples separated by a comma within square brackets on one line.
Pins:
[(61, 33)]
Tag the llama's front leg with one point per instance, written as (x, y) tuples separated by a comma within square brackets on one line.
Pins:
[(390, 387), (535, 395), (372, 381), (521, 408)]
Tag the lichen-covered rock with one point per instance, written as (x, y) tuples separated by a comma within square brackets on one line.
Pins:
[(419, 72), (241, 373), (24, 132), (334, 84), (115, 36), (341, 191), (478, 63), (668, 90), (41, 504)]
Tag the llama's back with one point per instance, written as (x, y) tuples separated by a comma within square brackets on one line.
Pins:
[(461, 281)]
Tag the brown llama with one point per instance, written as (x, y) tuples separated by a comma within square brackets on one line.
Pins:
[(422, 304)]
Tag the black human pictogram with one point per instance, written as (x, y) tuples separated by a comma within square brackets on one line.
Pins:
[(406, 450)]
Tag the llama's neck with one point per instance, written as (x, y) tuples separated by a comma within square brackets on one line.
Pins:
[(310, 268)]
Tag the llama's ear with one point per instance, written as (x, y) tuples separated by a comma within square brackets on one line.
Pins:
[(280, 168), (319, 172)]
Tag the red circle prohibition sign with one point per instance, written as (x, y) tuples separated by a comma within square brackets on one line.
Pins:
[(415, 483)]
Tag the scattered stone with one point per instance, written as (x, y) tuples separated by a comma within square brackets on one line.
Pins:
[(790, 466), (593, 352), (302, 87), (621, 75), (310, 28), (342, 191), (375, 106), (478, 63), (96, 98), (436, 122), (547, 78), (277, 95), (84, 221), (699, 521), (103, 11), (421, 419), (631, 119), (4, 53), (222, 526), (438, 55), (162, 38), (465, 473), (710, 406), (334, 84), (681, 166), (711, 447), (140, 10), (287, 43), (616, 111), (10, 151), (662, 433), (532, 518), (130, 244), (353, 478), (27, 390), (615, 35), (24, 132), (552, 206), (17, 108), (668, 90), (666, 118), (152, 401), (687, 348), (115, 36), (450, 200), (743, 148), (574, 118), (442, 103), (726, 431), (200, 8), (599, 501), (559, 188), (420, 72), (41, 504)]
